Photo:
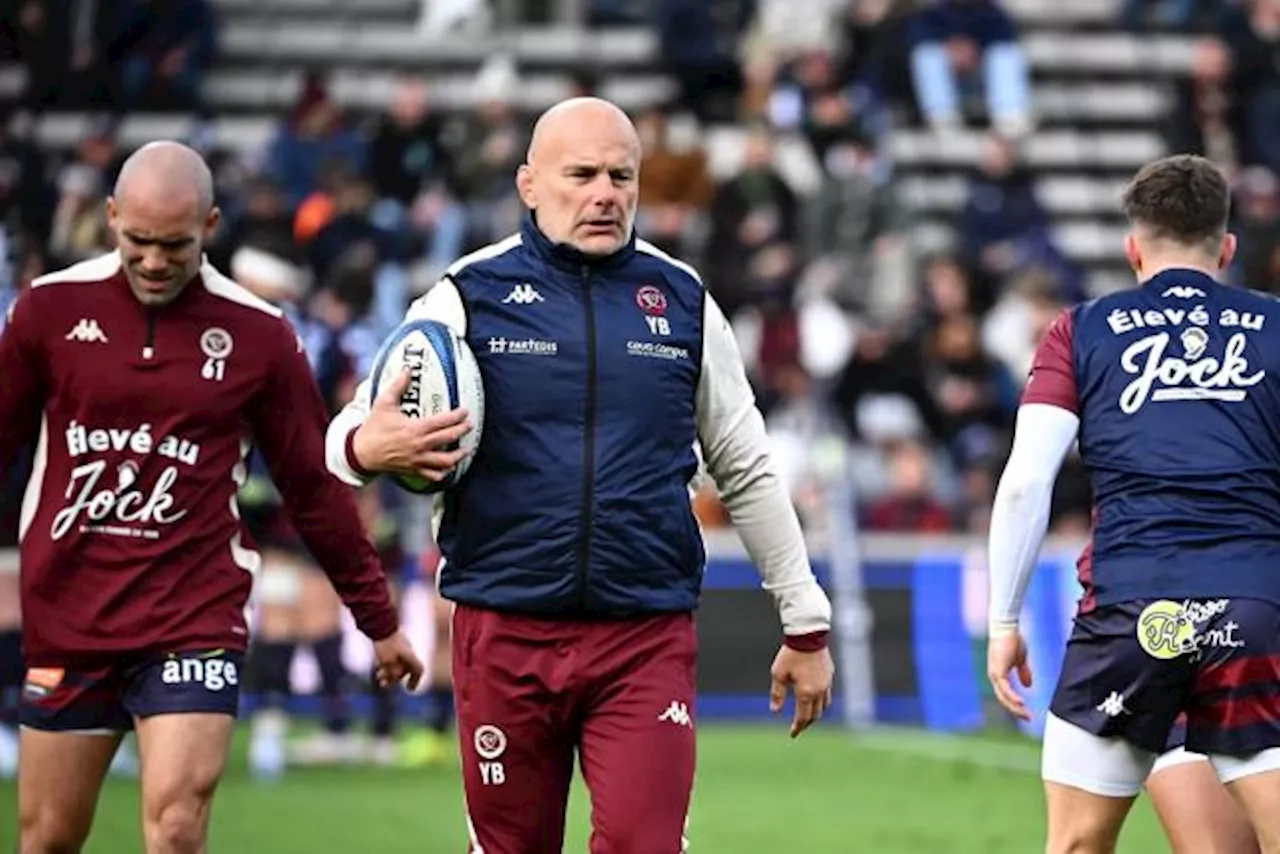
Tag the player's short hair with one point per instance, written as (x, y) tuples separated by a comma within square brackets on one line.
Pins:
[(1183, 198)]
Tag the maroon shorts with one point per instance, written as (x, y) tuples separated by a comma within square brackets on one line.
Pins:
[(621, 693)]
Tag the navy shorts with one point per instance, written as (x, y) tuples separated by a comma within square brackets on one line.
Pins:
[(1133, 668), (108, 699)]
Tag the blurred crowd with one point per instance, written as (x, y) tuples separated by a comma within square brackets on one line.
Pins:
[(872, 359)]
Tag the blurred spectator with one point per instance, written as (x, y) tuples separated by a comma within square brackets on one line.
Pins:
[(959, 45), (873, 51), (699, 41), (351, 238), (342, 307), (262, 220), (60, 43), (754, 210), (883, 367), (161, 51), (406, 156), (947, 292), (315, 133), (26, 197), (855, 223), (800, 425), (349, 226), (411, 168), (79, 229), (974, 396), (1003, 227), (910, 505), (1252, 39), (1013, 328), (675, 186), (1137, 15), (486, 146), (1257, 225), (768, 327), (31, 262)]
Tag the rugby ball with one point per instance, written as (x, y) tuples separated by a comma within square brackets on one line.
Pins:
[(443, 375)]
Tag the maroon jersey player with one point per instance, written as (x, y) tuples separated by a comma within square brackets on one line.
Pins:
[(144, 376)]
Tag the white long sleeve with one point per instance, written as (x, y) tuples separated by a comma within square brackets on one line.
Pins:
[(1020, 516), (442, 303), (736, 449)]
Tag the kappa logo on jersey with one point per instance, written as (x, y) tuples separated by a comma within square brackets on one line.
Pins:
[(1183, 292), (523, 294), (211, 671), (126, 508), (88, 331)]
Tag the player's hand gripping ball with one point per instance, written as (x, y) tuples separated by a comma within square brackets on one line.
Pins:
[(443, 375)]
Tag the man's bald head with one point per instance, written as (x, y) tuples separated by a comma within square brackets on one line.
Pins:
[(576, 116), (162, 215), (168, 170), (581, 175)]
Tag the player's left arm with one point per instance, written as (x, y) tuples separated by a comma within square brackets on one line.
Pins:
[(1046, 427), (288, 420), (736, 449), (1045, 430)]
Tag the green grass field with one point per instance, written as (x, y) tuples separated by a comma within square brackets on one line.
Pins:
[(830, 792)]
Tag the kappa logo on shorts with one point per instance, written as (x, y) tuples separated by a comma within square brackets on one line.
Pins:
[(1113, 706), (490, 741), (678, 714)]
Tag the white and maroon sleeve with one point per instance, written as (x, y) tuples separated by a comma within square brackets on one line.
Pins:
[(1047, 425), (288, 422), (23, 378)]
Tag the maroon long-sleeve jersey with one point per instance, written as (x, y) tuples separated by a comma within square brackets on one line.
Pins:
[(131, 539)]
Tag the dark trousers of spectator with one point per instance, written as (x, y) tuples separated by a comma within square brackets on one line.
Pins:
[(142, 87)]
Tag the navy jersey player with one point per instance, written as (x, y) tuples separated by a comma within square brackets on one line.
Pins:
[(1172, 389)]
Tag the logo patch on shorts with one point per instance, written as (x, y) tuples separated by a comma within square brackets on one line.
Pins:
[(490, 741), (43, 681), (1165, 630)]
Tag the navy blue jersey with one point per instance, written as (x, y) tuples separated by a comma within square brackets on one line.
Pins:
[(1177, 385)]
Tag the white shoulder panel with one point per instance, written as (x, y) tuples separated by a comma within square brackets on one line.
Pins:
[(86, 272)]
